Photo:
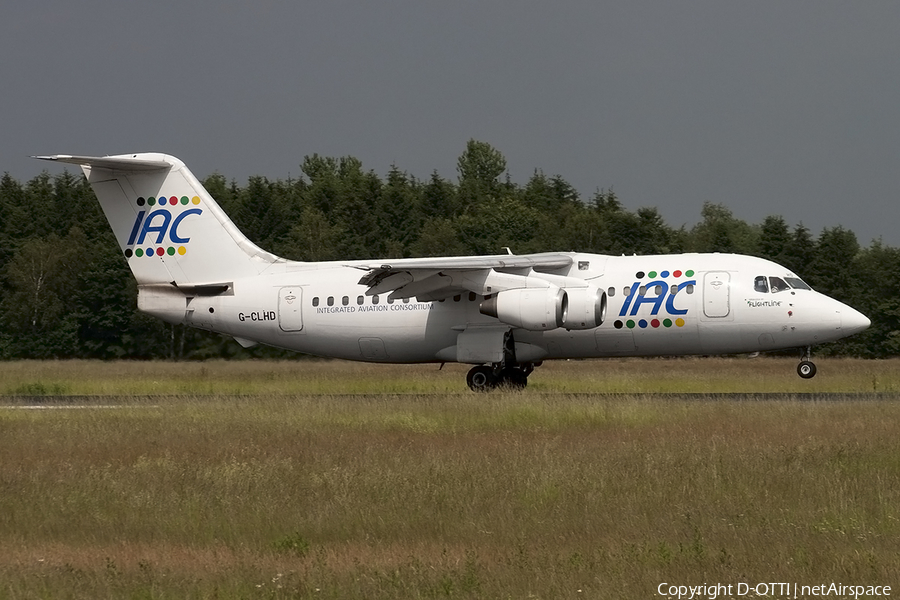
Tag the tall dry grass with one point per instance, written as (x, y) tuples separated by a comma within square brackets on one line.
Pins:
[(443, 495)]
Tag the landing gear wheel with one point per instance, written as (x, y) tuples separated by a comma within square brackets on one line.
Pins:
[(806, 369), (514, 378), (481, 379)]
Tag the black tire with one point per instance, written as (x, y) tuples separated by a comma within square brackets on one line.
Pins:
[(806, 369), (514, 378), (481, 379)]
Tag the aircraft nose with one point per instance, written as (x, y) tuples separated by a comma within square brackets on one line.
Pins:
[(853, 321)]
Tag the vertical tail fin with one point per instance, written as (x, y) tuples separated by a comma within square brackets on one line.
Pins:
[(168, 226)]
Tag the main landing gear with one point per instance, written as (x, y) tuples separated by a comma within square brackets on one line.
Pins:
[(509, 373), (485, 378), (806, 369)]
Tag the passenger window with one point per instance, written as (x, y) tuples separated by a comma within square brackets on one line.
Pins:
[(642, 290), (626, 290), (471, 296), (660, 290), (761, 285), (777, 284), (390, 300), (611, 292), (330, 300), (690, 288), (345, 300), (406, 301), (457, 297), (375, 299), (360, 300), (316, 301)]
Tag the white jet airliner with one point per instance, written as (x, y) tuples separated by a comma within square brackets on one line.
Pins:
[(505, 314)]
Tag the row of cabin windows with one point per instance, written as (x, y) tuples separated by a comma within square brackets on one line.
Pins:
[(345, 301), (659, 289)]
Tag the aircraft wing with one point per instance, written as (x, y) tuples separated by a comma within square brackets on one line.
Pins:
[(438, 278)]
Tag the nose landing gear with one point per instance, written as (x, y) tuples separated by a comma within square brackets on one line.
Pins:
[(806, 369)]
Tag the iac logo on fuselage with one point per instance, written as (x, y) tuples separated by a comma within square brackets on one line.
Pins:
[(155, 230), (659, 294)]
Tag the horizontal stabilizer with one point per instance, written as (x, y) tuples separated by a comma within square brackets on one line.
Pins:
[(212, 289), (115, 163)]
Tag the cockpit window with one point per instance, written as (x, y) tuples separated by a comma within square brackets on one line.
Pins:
[(797, 283), (761, 285), (777, 284)]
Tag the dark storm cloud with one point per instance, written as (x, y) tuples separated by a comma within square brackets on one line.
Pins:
[(765, 107)]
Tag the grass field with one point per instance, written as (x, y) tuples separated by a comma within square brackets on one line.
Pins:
[(313, 377), (335, 480)]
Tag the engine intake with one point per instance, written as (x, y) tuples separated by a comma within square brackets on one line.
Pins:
[(535, 309)]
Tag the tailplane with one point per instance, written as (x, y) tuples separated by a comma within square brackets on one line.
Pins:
[(168, 226)]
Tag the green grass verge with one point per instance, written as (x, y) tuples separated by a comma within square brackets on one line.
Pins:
[(316, 377)]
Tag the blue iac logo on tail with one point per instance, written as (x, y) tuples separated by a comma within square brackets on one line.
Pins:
[(156, 233)]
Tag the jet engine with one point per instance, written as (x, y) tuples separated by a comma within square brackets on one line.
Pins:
[(587, 308), (535, 309)]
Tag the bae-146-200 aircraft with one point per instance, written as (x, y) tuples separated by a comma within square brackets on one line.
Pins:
[(504, 314)]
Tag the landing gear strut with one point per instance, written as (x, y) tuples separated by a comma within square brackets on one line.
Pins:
[(806, 369)]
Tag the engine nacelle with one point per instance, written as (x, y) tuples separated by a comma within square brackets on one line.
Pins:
[(535, 309), (587, 308)]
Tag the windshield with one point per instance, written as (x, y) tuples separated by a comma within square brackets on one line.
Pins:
[(764, 284), (797, 283), (777, 284)]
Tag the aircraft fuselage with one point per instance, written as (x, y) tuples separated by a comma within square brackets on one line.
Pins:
[(670, 304)]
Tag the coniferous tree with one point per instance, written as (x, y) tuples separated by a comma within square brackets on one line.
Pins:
[(800, 251), (774, 239), (398, 213), (439, 199)]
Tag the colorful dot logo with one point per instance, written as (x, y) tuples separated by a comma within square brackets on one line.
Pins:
[(653, 323), (166, 223), (664, 274)]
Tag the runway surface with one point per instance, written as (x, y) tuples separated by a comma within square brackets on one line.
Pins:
[(156, 401)]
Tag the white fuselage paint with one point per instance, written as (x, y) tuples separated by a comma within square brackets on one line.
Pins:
[(720, 312)]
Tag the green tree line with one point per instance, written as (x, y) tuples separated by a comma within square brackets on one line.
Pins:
[(66, 291)]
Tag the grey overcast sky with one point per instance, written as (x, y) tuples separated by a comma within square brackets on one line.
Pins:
[(767, 107)]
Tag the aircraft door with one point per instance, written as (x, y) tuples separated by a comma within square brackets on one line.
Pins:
[(717, 294), (290, 317)]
